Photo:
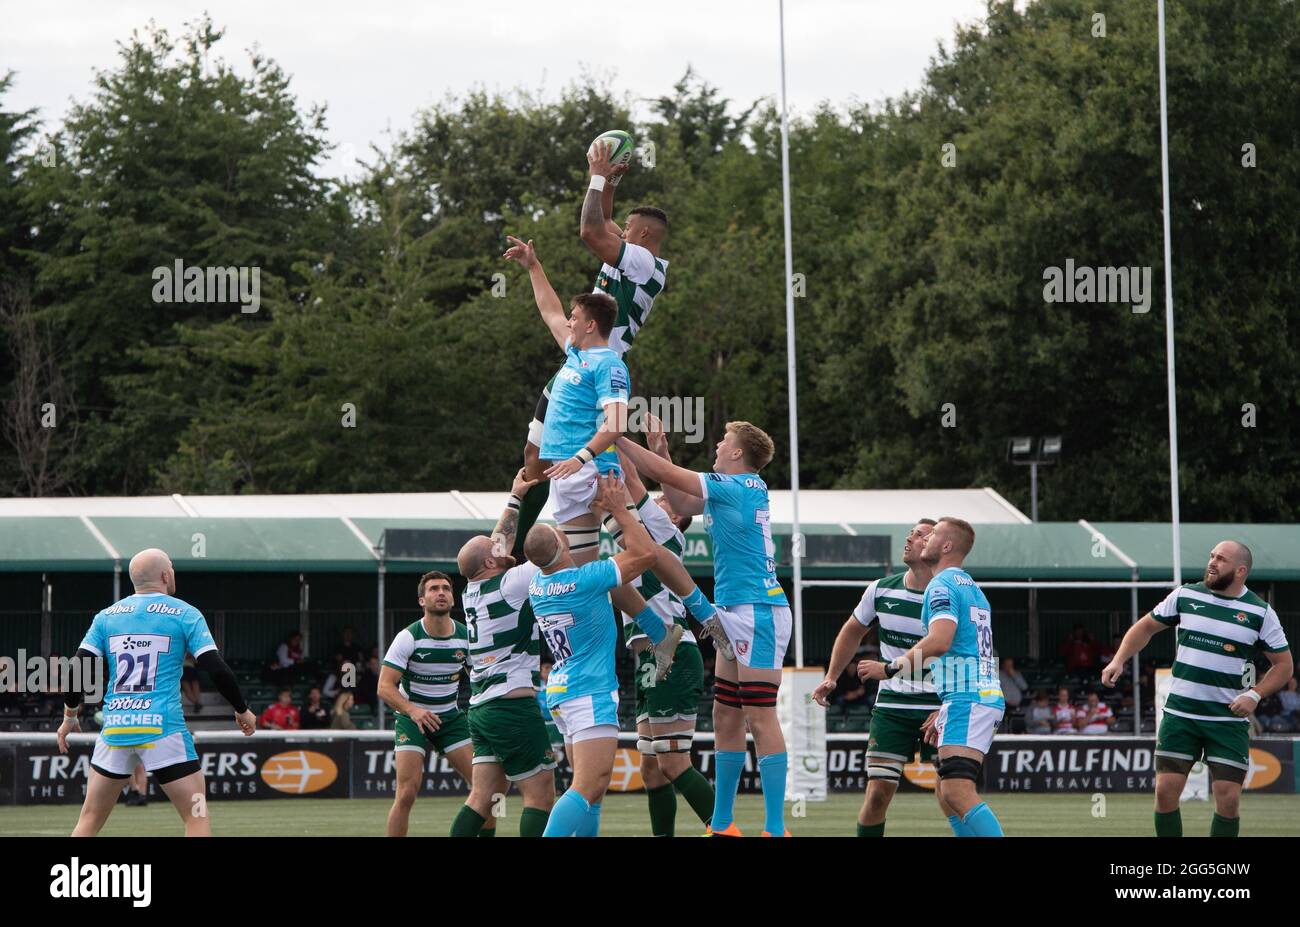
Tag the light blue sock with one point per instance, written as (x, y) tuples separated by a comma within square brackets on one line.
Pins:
[(958, 828), (651, 624), (728, 764), (771, 772), (699, 607), (590, 826), (568, 815), (982, 822)]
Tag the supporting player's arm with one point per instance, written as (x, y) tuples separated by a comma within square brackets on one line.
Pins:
[(656, 439), (638, 554), (685, 483), (631, 477), (846, 645), (507, 526), (937, 642), (1281, 669), (223, 677), (393, 698), (611, 429), (548, 303), (594, 228), (1135, 640), (72, 699)]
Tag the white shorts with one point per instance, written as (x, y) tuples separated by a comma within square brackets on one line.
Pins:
[(759, 634), (571, 496), (159, 754), (587, 717), (967, 724)]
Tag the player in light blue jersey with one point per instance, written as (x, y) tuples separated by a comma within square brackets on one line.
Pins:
[(572, 605), (751, 606), (145, 638), (957, 651)]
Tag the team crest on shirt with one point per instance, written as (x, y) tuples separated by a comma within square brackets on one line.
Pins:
[(1241, 617), (742, 647), (402, 738), (1229, 648), (460, 654)]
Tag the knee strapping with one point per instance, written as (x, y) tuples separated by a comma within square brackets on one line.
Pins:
[(679, 742), (883, 768), (960, 767), (645, 745), (581, 539)]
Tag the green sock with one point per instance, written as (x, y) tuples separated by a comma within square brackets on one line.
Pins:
[(1224, 827), (488, 832), (531, 506), (697, 791), (663, 810), (1169, 823), (468, 823), (532, 822), (871, 830)]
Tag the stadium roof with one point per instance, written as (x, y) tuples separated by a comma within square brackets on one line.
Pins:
[(340, 533)]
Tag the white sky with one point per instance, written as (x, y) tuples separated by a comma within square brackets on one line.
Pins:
[(374, 64)]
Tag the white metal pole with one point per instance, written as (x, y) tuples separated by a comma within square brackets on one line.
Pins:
[(796, 539), (1169, 303)]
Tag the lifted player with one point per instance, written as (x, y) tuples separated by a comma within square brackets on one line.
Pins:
[(1221, 625)]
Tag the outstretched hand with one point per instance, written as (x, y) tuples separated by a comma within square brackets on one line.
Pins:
[(520, 251)]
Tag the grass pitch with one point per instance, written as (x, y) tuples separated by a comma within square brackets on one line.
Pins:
[(911, 815)]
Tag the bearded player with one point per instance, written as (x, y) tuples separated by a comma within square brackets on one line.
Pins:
[(1221, 626)]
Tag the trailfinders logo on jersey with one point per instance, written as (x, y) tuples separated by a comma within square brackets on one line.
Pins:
[(53, 675), (103, 880), (194, 284)]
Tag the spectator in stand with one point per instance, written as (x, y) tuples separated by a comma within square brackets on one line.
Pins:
[(349, 648), (1038, 716), (314, 714), (280, 715), (1063, 713), (190, 687), (341, 714), (288, 655), (367, 692), (1094, 716), (849, 689), (1014, 686), (1108, 651), (1079, 652), (1284, 716)]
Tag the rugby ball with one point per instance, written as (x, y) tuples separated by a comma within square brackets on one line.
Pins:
[(622, 146)]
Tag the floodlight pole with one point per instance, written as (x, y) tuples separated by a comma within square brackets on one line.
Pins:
[(1169, 303), (379, 633), (796, 539)]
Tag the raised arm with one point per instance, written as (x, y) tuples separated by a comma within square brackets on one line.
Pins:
[(595, 229), (668, 475), (548, 303), (507, 526), (656, 439)]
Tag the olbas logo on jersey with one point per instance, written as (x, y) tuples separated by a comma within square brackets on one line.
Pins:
[(626, 776), (299, 772)]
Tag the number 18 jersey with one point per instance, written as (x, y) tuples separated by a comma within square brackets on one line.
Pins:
[(968, 670), (145, 637), (576, 618)]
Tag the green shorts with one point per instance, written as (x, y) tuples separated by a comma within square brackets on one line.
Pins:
[(896, 734), (1180, 742), (453, 732), (677, 696), (511, 732)]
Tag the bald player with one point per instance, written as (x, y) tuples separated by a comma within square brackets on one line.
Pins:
[(1222, 625), (145, 638), (506, 726)]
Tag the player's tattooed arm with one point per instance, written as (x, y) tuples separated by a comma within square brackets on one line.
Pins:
[(597, 233), (507, 526)]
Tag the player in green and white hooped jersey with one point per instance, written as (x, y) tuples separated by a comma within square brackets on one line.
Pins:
[(1221, 627), (666, 710), (419, 680), (631, 272), (511, 744), (893, 605)]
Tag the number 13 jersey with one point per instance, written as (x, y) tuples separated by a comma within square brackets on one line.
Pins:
[(145, 637), (576, 619)]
